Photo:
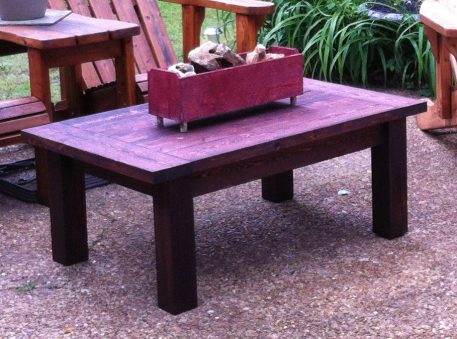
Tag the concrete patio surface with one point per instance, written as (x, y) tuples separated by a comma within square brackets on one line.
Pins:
[(310, 267)]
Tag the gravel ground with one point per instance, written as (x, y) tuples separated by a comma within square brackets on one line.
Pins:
[(309, 268)]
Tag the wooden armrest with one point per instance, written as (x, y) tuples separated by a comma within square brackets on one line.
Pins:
[(439, 17), (250, 15), (246, 7)]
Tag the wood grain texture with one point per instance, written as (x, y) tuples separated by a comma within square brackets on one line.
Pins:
[(192, 20), (68, 210), (127, 139), (441, 30), (247, 28), (175, 248), (439, 17), (212, 93), (266, 142), (248, 7), (389, 182), (75, 29), (71, 42), (278, 187), (156, 33)]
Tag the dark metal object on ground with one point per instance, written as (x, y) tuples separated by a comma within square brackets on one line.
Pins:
[(18, 180)]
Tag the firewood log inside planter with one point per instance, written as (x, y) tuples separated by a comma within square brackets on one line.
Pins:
[(260, 54), (211, 56)]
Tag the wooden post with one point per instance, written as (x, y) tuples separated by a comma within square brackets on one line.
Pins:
[(42, 181), (389, 182), (192, 20), (175, 247), (67, 205), (247, 28), (39, 79), (279, 187), (125, 75), (71, 84)]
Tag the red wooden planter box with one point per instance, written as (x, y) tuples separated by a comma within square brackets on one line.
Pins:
[(225, 90)]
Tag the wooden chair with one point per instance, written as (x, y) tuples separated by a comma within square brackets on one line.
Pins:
[(152, 48), (439, 18)]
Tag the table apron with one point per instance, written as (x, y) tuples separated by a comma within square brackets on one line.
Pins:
[(73, 55), (9, 48), (243, 171), (284, 160)]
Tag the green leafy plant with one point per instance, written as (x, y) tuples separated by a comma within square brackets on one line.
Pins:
[(26, 287), (340, 43)]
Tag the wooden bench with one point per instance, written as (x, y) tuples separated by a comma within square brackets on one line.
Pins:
[(126, 147), (18, 114), (439, 18)]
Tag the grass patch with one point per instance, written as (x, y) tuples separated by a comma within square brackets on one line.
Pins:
[(25, 288), (14, 75)]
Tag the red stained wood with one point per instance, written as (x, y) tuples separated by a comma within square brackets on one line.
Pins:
[(128, 139), (212, 93), (69, 43), (153, 47), (16, 114), (249, 7), (441, 29), (268, 142), (73, 30), (437, 16)]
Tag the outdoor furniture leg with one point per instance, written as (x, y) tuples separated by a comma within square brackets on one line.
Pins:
[(42, 181), (125, 75), (389, 185), (67, 203), (278, 187), (175, 247)]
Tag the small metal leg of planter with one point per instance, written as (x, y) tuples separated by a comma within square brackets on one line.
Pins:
[(183, 127)]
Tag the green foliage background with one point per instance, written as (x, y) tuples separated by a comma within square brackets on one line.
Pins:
[(340, 43)]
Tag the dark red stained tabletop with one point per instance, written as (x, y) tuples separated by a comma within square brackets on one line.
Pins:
[(129, 142)]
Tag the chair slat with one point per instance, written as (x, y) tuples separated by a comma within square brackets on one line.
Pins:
[(91, 78), (156, 32), (104, 68), (125, 11)]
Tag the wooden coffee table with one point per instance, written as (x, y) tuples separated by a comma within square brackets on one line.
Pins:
[(126, 147)]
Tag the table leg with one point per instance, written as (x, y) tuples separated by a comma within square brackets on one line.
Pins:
[(125, 75), (42, 176), (40, 84), (389, 182), (71, 84), (67, 205), (175, 248), (278, 187)]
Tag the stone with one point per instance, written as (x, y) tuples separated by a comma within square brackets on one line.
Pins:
[(211, 56), (260, 54), (183, 70)]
